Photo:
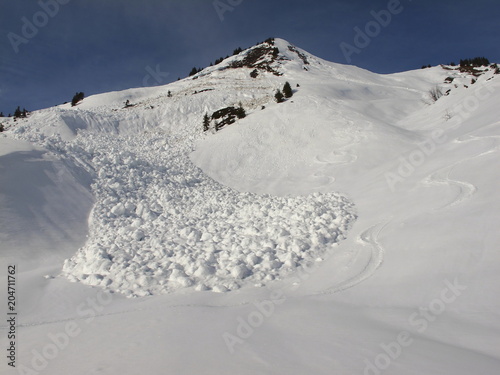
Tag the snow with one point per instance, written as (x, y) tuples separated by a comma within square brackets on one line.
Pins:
[(159, 224), (351, 229), (45, 202)]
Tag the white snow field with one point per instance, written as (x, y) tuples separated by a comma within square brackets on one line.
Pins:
[(352, 229)]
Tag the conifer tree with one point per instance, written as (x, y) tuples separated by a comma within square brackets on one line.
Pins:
[(287, 90), (77, 98), (193, 71), (206, 122), (240, 112), (279, 96), (17, 112)]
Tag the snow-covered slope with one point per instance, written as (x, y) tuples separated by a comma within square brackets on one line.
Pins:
[(352, 227)]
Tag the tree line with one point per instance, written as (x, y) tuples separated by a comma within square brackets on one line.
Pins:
[(476, 61), (18, 113), (196, 70)]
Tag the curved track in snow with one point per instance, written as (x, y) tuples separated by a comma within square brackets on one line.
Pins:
[(368, 239), (368, 242), (442, 176)]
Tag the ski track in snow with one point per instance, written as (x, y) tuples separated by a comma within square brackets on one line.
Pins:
[(442, 176), (337, 157), (368, 240), (369, 237)]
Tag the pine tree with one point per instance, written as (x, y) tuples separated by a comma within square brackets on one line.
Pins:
[(287, 90), (240, 112), (206, 122), (17, 112), (77, 98), (193, 72), (279, 96), (1, 114)]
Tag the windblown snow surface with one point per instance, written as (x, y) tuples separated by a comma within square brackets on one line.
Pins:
[(351, 229)]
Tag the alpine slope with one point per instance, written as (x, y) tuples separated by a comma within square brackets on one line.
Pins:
[(350, 229)]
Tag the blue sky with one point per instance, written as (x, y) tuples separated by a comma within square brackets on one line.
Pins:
[(105, 45)]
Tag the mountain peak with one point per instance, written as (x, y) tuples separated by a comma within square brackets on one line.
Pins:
[(268, 56)]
